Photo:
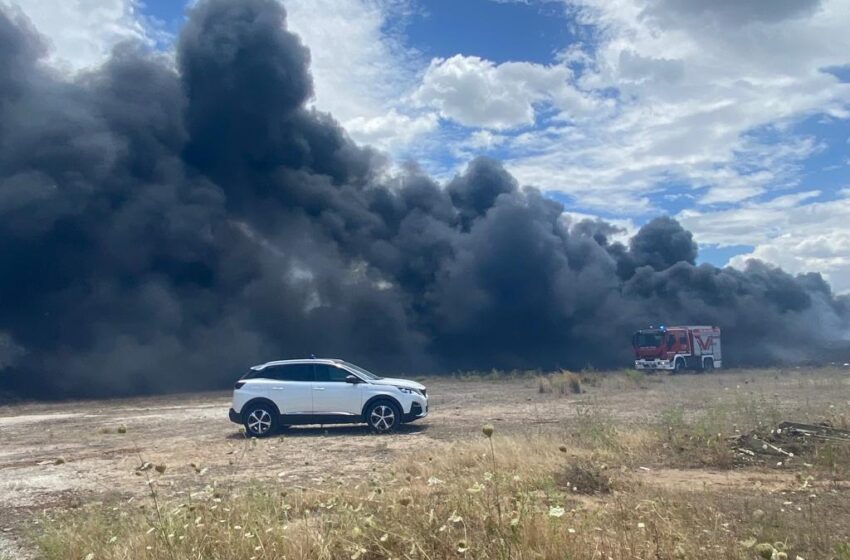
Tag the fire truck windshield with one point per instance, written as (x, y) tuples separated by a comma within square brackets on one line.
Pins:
[(644, 339)]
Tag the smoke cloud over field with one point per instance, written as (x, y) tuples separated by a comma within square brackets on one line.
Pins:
[(165, 225)]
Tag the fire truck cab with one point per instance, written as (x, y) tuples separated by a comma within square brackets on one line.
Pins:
[(678, 348)]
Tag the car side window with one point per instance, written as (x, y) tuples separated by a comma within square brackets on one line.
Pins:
[(671, 340), (683, 340), (325, 372), (289, 372)]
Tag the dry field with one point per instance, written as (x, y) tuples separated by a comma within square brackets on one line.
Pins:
[(631, 467)]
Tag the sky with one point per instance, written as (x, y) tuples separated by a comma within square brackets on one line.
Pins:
[(731, 116)]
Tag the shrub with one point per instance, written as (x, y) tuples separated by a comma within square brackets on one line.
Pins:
[(561, 383), (583, 477)]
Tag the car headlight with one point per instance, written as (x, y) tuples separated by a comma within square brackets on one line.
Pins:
[(409, 391)]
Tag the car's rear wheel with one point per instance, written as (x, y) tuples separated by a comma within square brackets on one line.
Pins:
[(383, 417), (260, 420)]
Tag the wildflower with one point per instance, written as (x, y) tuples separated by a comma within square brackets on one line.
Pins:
[(160, 469), (488, 430), (562, 448), (641, 525), (462, 546), (405, 500), (556, 511), (455, 519), (433, 481), (122, 429)]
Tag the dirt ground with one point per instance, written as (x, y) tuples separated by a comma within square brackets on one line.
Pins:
[(60, 454)]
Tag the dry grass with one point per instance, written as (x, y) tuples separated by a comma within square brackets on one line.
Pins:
[(590, 487), (505, 497)]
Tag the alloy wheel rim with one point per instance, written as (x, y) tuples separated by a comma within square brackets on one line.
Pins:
[(382, 417), (259, 421)]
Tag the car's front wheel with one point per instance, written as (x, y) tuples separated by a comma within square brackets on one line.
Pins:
[(383, 417), (260, 420)]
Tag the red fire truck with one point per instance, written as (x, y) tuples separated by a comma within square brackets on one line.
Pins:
[(678, 348)]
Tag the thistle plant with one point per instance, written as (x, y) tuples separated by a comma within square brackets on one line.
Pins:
[(488, 430)]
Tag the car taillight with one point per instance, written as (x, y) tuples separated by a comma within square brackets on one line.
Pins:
[(239, 384)]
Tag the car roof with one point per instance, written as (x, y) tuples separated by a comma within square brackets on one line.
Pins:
[(302, 361)]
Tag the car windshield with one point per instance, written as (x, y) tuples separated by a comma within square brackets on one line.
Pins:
[(648, 339), (362, 372)]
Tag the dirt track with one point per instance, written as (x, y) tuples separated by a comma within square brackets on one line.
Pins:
[(98, 463)]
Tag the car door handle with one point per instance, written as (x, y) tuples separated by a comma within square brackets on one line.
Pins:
[(318, 388)]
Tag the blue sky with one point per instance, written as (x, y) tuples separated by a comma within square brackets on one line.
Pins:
[(733, 116), (500, 32)]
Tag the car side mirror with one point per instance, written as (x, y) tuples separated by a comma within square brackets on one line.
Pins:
[(352, 379)]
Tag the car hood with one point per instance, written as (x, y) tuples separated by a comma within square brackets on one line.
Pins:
[(398, 383)]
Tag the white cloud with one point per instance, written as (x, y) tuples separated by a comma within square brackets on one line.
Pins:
[(706, 96), (791, 231), (478, 93), (484, 140), (360, 68), (81, 33), (392, 129)]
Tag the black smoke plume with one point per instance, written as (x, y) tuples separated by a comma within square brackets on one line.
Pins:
[(162, 228)]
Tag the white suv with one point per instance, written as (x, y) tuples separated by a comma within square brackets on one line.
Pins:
[(316, 391)]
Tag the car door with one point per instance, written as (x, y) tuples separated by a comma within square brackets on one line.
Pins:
[(291, 387), (332, 394)]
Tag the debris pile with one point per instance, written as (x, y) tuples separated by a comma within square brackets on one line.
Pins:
[(787, 440)]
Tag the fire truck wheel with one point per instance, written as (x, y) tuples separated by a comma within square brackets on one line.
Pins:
[(680, 366), (708, 364)]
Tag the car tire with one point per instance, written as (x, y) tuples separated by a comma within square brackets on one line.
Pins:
[(383, 416), (260, 420)]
